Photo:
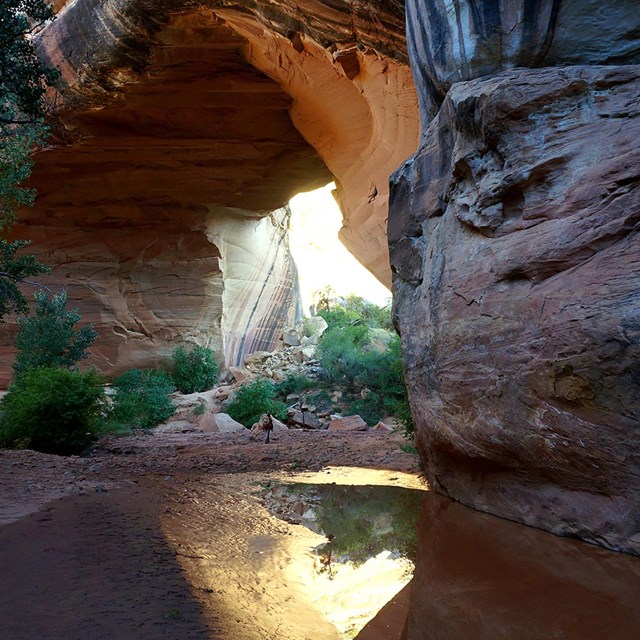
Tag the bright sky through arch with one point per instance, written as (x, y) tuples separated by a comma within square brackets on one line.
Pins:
[(321, 258)]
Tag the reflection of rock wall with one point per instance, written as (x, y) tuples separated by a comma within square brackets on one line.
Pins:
[(261, 294), (485, 578), (514, 245)]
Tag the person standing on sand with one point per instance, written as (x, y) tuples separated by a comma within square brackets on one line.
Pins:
[(268, 427)]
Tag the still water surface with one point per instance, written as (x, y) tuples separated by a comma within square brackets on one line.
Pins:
[(466, 575)]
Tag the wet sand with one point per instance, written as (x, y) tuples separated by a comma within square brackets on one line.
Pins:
[(96, 567), (165, 538)]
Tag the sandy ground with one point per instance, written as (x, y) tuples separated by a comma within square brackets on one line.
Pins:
[(165, 537)]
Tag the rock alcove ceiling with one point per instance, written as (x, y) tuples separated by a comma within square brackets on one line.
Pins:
[(182, 131)]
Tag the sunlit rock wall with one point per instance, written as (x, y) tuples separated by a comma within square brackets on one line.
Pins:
[(261, 293), (514, 244)]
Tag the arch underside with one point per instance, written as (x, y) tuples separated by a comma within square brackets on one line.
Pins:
[(180, 134)]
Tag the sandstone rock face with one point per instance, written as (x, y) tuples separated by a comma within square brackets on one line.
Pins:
[(260, 282), (450, 42), (516, 257), (179, 128)]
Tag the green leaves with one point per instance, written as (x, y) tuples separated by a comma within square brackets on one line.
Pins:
[(52, 410), (23, 83), (253, 400), (23, 77), (141, 398), (194, 371), (49, 337)]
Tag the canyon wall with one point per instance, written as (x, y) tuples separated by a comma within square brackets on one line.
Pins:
[(516, 260), (178, 127)]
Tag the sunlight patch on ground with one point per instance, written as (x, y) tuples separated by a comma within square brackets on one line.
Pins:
[(321, 258)]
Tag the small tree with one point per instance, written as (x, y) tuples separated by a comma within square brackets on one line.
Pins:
[(53, 410), (49, 337), (141, 398), (194, 371)]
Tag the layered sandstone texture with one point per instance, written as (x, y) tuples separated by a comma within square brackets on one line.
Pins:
[(514, 244), (182, 130)]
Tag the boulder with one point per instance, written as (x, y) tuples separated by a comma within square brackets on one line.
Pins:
[(348, 423), (240, 374), (382, 426), (175, 426), (277, 425), (290, 338), (219, 423), (309, 421), (514, 239)]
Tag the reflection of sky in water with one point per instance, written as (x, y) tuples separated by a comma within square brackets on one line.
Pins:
[(371, 544)]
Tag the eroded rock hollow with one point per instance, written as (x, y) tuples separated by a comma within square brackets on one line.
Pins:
[(514, 244), (182, 130)]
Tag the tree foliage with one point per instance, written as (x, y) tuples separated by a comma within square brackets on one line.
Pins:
[(23, 83), (53, 410), (49, 337), (252, 400), (141, 398), (352, 310), (195, 370), (359, 352)]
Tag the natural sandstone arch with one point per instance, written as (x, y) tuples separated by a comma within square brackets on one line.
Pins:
[(182, 128)]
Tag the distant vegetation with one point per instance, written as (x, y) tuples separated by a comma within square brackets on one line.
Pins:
[(254, 399), (195, 370), (360, 352)]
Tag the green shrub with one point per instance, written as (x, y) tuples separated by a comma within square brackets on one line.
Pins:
[(354, 310), (53, 410), (200, 409), (294, 383), (252, 400), (196, 370), (49, 338), (141, 398), (402, 413), (340, 351), (348, 359)]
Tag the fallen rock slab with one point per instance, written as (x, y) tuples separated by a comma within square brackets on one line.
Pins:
[(348, 423), (305, 419), (219, 423)]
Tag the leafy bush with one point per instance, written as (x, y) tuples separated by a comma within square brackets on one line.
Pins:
[(354, 310), (252, 400), (347, 358), (53, 410), (294, 383), (194, 371), (340, 352), (49, 337), (141, 398)]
